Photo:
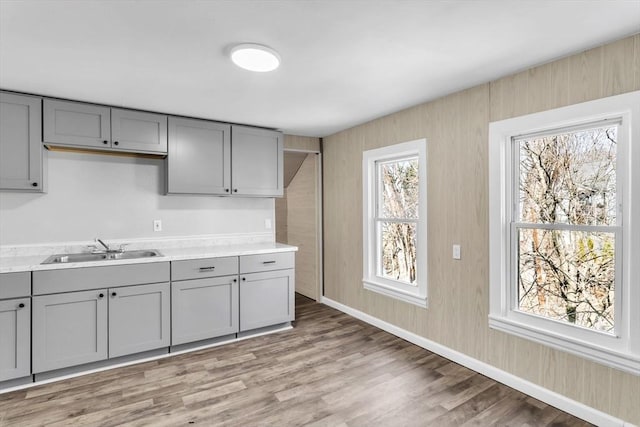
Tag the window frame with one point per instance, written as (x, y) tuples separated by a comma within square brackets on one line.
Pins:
[(622, 349), (372, 279)]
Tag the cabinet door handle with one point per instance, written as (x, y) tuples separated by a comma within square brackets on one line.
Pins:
[(116, 143), (21, 305), (113, 294), (226, 190), (235, 280), (101, 295), (207, 268), (244, 278), (268, 262), (235, 190), (34, 184), (105, 142)]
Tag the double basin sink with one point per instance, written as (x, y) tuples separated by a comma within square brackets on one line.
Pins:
[(101, 256)]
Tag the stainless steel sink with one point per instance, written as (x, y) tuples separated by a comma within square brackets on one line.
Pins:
[(101, 256)]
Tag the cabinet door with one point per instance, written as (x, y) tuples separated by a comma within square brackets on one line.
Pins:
[(138, 318), (15, 336), (266, 299), (256, 162), (20, 142), (69, 329), (199, 157), (74, 123), (203, 308), (138, 131)]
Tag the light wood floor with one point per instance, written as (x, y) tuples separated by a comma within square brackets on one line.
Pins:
[(330, 370)]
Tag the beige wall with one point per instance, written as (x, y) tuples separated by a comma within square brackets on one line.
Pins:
[(456, 129), (302, 225), (295, 142)]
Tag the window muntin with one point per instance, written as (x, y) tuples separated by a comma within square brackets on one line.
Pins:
[(396, 221), (566, 230)]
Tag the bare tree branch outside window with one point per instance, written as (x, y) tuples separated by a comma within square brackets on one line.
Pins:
[(397, 218), (567, 188)]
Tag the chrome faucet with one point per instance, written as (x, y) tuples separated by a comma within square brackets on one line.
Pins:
[(108, 250), (103, 244)]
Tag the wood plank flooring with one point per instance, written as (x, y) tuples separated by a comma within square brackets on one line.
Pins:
[(330, 370)]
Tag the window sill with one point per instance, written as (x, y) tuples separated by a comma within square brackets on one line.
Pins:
[(411, 298), (627, 362)]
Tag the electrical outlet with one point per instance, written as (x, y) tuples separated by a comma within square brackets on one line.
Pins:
[(456, 252), (157, 225), (267, 223)]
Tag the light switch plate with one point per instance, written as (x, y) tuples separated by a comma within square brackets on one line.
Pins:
[(157, 225), (456, 252), (267, 223)]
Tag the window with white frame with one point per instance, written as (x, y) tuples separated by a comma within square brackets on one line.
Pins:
[(564, 228), (394, 218)]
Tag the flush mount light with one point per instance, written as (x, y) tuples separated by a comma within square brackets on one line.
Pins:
[(255, 57)]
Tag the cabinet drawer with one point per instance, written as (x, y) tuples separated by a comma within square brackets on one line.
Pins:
[(82, 279), (266, 262), (15, 285), (206, 267)]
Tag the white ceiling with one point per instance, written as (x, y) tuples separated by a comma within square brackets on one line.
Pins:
[(343, 62)]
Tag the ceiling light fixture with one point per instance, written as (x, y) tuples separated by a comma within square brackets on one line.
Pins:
[(255, 57)]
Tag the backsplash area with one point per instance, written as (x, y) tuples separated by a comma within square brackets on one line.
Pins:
[(118, 198)]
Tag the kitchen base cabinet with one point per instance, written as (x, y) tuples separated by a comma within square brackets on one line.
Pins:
[(15, 336), (69, 329), (204, 308), (266, 299), (139, 318)]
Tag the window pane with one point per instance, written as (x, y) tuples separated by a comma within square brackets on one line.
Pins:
[(398, 251), (398, 181), (569, 177), (567, 276)]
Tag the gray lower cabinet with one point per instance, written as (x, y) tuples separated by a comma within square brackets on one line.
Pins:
[(204, 308), (139, 318), (15, 336), (77, 124), (199, 157), (256, 162), (69, 329), (20, 143), (266, 298)]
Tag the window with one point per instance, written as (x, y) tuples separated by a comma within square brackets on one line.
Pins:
[(564, 229), (394, 194)]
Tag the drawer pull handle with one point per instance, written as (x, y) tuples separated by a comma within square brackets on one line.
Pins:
[(268, 262), (207, 268)]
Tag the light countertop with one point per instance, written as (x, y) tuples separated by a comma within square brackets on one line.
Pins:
[(12, 264)]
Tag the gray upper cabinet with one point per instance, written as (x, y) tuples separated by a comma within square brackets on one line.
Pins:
[(69, 329), (220, 159), (139, 318), (76, 124), (256, 161), (199, 157), (20, 143), (138, 131), (15, 336)]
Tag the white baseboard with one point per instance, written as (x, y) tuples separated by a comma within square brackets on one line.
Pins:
[(552, 398)]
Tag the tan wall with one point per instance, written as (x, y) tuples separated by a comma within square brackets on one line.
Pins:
[(456, 129), (302, 227), (294, 142), (281, 218)]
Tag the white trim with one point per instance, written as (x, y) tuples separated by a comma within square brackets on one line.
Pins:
[(622, 350), (552, 398), (371, 279)]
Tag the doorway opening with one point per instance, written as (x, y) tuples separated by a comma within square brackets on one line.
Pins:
[(299, 218)]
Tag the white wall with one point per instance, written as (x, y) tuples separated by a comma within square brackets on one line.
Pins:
[(91, 195)]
